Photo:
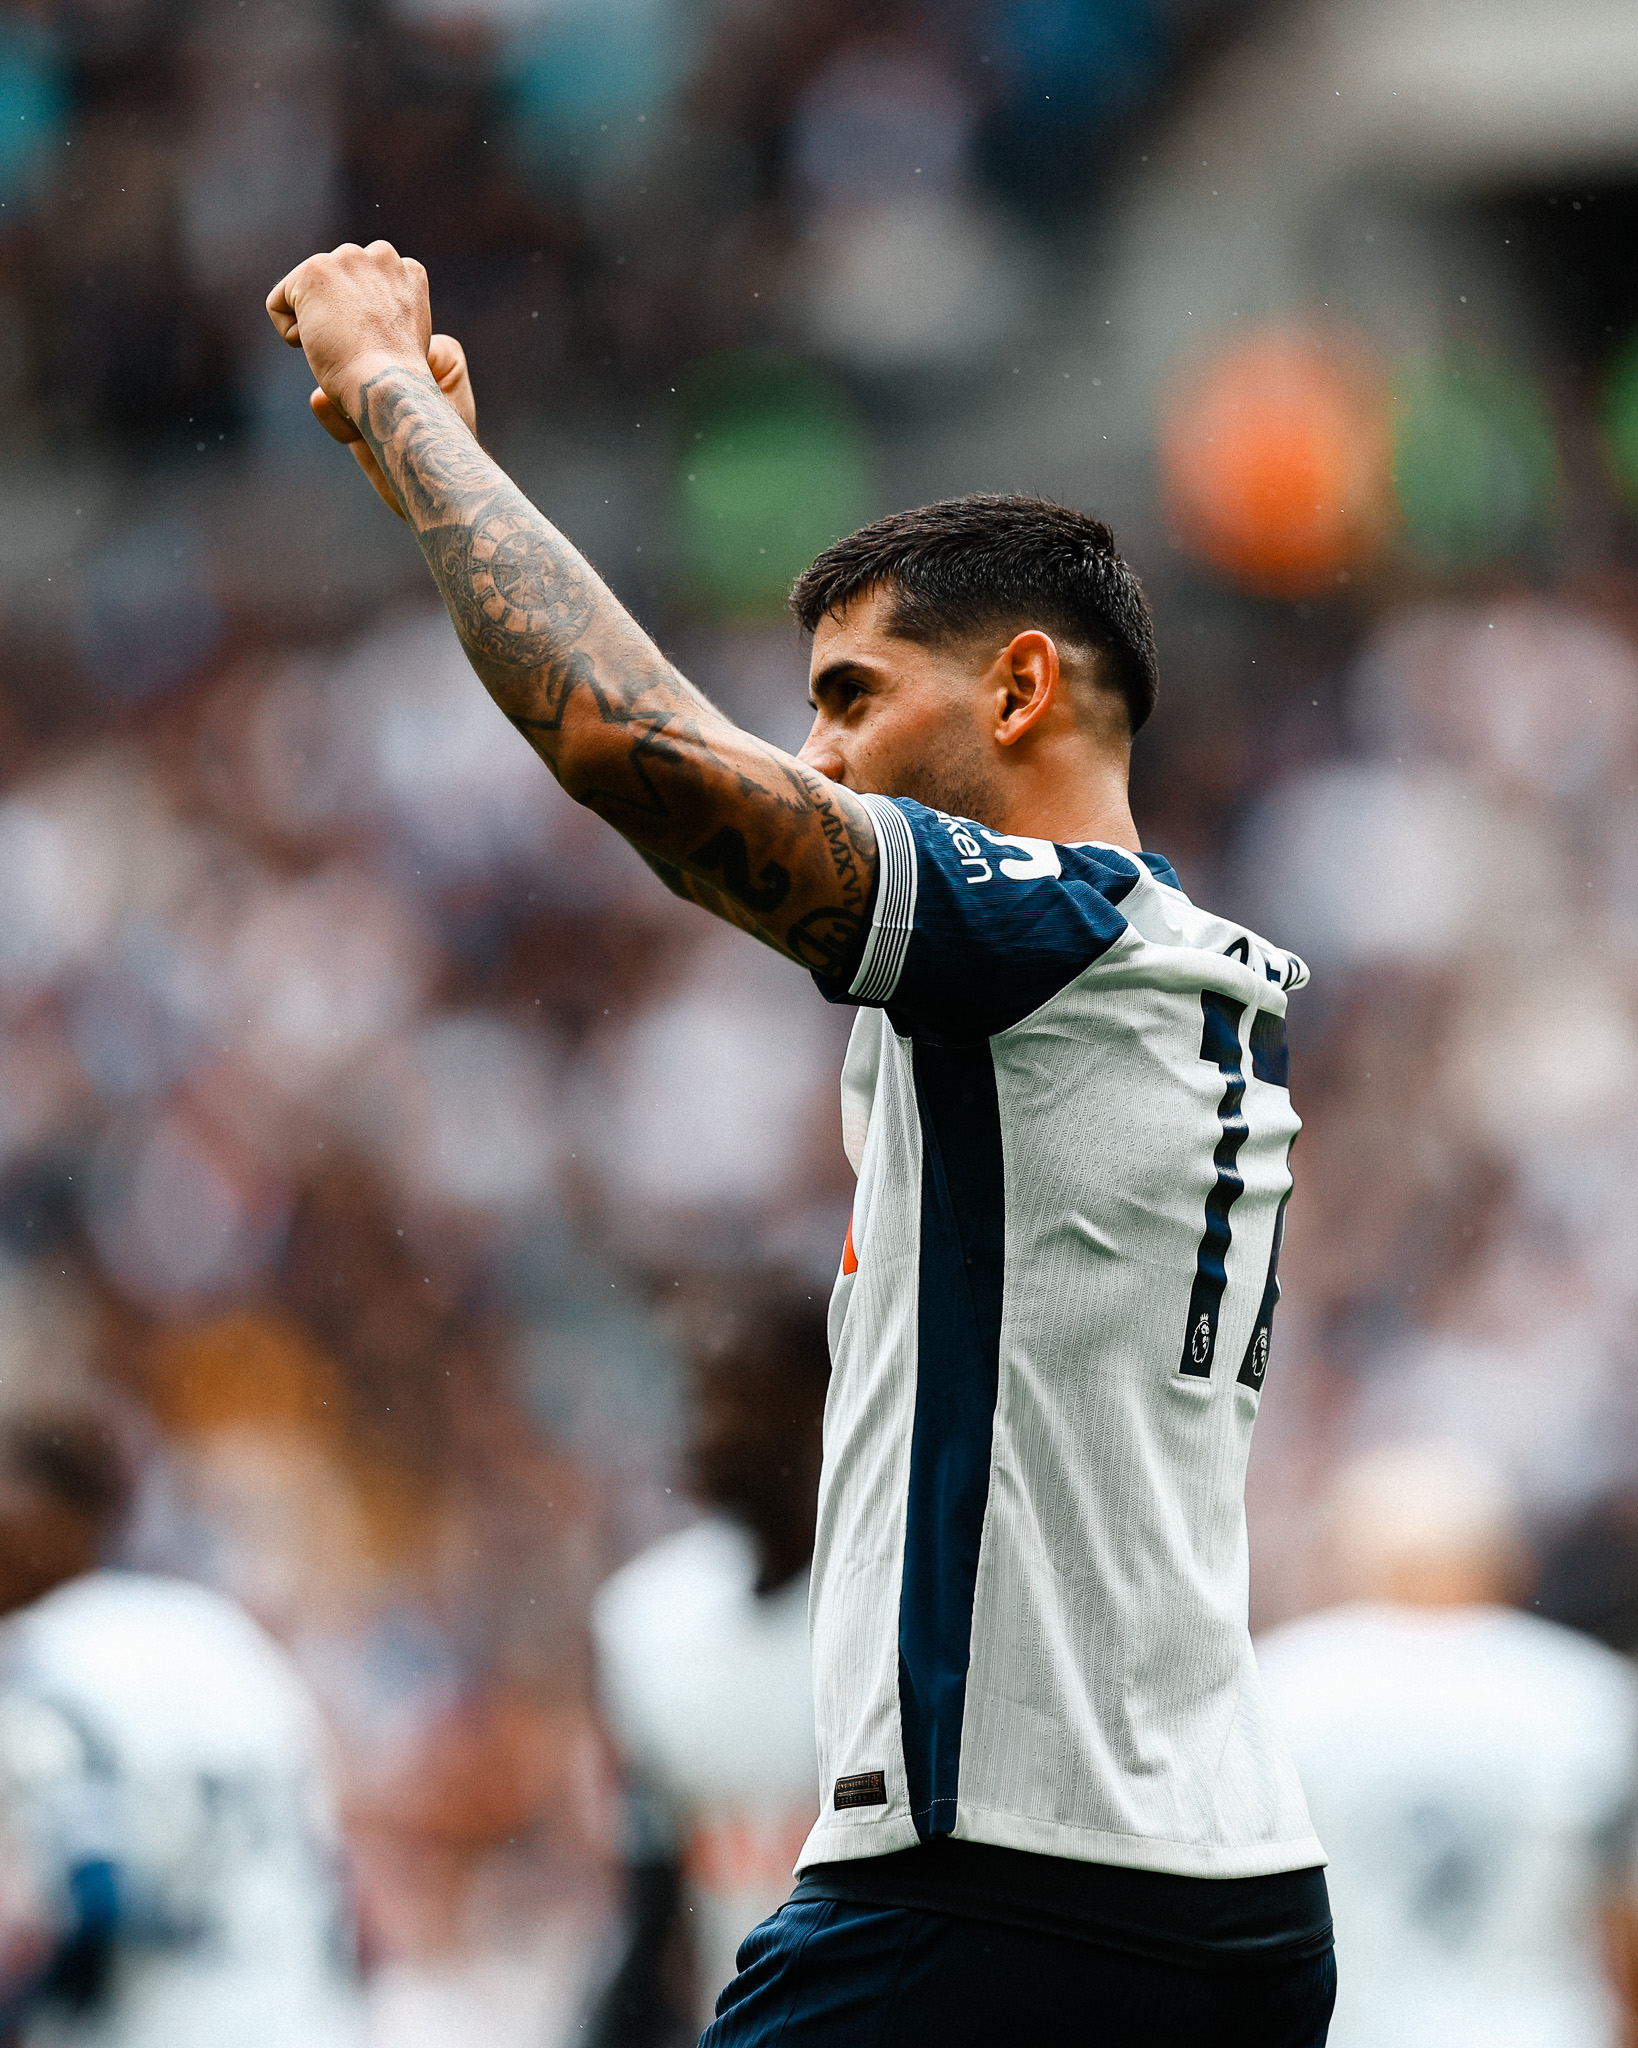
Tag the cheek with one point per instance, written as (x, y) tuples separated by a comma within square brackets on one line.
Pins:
[(902, 735)]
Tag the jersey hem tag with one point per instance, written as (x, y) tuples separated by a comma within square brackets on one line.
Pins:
[(864, 1788)]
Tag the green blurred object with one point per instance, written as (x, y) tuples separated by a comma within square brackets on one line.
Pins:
[(1621, 421), (772, 467), (1475, 460)]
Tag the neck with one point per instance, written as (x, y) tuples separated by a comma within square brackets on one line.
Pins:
[(1073, 799)]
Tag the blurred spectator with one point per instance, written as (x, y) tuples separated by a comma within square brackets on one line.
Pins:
[(1472, 1772), (1589, 1574), (741, 1144), (338, 1050), (906, 272), (361, 1474), (703, 1649), (164, 1765), (470, 1822)]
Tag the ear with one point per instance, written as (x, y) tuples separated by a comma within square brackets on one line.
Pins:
[(1028, 679)]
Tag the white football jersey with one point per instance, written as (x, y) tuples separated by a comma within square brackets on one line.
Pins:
[(707, 1688), (151, 1727), (1473, 1773), (1068, 1112)]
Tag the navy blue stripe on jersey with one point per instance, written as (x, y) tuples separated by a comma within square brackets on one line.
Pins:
[(1270, 1056), (1255, 1363), (1000, 923), (958, 1351), (1219, 1043), (1162, 870)]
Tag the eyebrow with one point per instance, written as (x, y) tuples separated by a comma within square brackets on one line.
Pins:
[(838, 672)]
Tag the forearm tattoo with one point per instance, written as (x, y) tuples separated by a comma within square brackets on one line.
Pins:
[(725, 820)]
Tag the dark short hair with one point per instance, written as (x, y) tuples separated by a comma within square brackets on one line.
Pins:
[(985, 561)]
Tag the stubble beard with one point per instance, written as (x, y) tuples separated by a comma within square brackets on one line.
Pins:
[(962, 781)]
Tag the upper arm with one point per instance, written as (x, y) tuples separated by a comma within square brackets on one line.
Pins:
[(972, 929), (734, 824)]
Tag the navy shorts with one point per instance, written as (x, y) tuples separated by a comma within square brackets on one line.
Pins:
[(834, 1974)]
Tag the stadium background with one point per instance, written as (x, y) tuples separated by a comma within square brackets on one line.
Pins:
[(361, 1101)]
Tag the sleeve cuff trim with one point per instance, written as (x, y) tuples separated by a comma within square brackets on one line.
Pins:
[(895, 913)]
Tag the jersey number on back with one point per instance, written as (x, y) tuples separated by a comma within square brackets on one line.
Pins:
[(1220, 1044)]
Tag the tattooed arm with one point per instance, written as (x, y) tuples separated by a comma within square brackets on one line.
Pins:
[(725, 819)]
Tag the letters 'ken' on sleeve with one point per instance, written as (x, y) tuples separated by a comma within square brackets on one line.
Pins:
[(973, 929)]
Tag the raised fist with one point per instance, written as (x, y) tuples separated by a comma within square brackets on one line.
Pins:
[(355, 312)]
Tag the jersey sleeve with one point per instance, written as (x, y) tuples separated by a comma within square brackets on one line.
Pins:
[(971, 930)]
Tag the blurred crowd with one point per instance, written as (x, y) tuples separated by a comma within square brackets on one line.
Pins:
[(364, 1105)]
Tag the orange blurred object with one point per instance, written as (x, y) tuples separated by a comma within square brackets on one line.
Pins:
[(1276, 457), (245, 1368)]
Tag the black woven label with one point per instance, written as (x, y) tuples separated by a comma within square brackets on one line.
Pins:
[(864, 1788)]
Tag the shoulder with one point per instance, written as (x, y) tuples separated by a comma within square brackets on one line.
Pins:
[(1563, 1657), (106, 1604), (664, 1588), (690, 1660), (137, 1645), (1578, 1699), (1165, 919), (151, 1596), (972, 928), (40, 1744), (1380, 1645), (974, 856), (1319, 1643)]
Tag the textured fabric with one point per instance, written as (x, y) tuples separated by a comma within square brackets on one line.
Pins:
[(1067, 1109), (845, 1976), (1474, 1772)]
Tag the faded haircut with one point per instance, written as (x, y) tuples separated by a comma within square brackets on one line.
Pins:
[(983, 562)]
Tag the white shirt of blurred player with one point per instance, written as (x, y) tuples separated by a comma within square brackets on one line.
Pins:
[(163, 1730), (1471, 1771), (708, 1690)]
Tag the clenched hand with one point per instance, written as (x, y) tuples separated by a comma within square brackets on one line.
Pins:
[(355, 311)]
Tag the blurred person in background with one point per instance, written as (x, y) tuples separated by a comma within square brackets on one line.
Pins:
[(1033, 1668), (164, 1766), (1472, 1769), (703, 1652)]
